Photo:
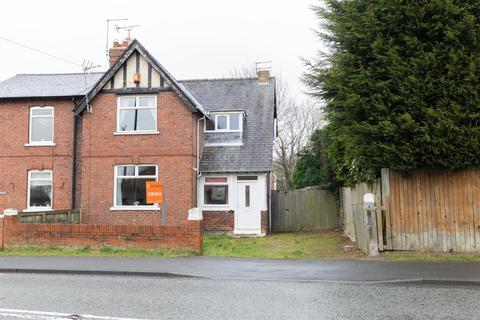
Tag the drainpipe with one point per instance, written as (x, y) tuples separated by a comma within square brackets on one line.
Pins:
[(197, 169), (74, 157)]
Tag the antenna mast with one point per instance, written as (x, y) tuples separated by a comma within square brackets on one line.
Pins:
[(108, 31), (87, 65)]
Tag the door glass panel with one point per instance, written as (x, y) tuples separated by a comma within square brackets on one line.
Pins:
[(247, 196)]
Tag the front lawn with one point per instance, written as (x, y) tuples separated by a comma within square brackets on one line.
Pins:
[(301, 245), (431, 257), (89, 252)]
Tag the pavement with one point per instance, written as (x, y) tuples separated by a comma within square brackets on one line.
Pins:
[(222, 268)]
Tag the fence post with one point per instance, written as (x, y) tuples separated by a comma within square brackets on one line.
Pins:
[(370, 223)]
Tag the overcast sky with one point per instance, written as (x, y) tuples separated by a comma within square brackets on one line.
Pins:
[(191, 39)]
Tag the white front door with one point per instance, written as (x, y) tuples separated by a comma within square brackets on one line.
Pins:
[(249, 206)]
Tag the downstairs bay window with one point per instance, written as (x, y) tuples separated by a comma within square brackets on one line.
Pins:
[(130, 190)]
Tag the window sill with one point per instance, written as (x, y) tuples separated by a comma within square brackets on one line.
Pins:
[(127, 133), (135, 208), (37, 209), (47, 144), (216, 206), (223, 144)]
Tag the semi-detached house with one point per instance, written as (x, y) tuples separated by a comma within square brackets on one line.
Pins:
[(93, 141)]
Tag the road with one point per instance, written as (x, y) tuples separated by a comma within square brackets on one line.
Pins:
[(111, 297)]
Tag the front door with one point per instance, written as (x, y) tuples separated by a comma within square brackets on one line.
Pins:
[(248, 213)]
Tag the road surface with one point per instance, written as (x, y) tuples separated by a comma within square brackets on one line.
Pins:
[(53, 296)]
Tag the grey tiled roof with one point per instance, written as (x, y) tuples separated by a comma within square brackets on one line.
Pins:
[(47, 85), (258, 102), (213, 94)]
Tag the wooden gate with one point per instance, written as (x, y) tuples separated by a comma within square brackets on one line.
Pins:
[(304, 209)]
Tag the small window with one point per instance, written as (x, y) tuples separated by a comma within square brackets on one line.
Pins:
[(39, 190), (246, 178), (131, 184), (137, 114), (224, 123), (216, 191), (41, 125)]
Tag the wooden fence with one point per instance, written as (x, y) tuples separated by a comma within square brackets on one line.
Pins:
[(304, 209), (432, 209), (58, 216)]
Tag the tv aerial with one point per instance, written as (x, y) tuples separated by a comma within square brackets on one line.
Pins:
[(126, 28)]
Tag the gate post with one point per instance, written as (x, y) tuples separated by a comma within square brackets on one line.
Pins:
[(370, 223)]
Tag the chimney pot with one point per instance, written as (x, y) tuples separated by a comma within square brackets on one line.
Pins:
[(263, 76), (117, 49)]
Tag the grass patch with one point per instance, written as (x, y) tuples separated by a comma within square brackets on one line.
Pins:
[(431, 257), (301, 245), (100, 252)]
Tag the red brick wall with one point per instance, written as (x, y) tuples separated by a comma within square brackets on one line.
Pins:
[(218, 221), (16, 158), (264, 221), (173, 150), (188, 236)]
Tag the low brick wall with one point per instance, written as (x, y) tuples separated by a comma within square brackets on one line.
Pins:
[(218, 221), (188, 236), (224, 221)]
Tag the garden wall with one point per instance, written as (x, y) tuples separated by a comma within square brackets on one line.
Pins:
[(187, 236)]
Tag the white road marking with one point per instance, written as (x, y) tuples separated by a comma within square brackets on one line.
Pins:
[(43, 315)]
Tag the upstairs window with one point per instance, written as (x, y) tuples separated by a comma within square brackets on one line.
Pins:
[(225, 122), (39, 190), (137, 114), (41, 126)]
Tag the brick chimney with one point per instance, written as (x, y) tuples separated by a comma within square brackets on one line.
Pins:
[(263, 76), (117, 49)]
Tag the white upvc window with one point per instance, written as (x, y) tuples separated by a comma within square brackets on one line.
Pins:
[(215, 191), (39, 194), (130, 186), (137, 114), (225, 122), (41, 127)]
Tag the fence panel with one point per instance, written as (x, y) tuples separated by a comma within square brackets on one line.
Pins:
[(432, 209), (58, 216), (305, 209)]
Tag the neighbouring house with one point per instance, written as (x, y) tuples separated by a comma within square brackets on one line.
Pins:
[(92, 142)]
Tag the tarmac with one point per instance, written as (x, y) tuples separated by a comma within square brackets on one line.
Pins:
[(350, 271)]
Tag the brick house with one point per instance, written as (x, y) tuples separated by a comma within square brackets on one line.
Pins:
[(93, 141)]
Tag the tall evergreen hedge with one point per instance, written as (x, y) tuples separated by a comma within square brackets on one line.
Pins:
[(401, 82)]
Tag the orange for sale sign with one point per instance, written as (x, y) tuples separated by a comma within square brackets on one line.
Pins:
[(154, 192)]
